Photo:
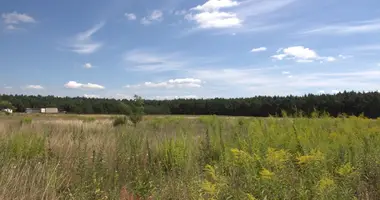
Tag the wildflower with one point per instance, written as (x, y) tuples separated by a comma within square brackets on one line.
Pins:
[(326, 184), (313, 157), (345, 170), (277, 158), (266, 174)]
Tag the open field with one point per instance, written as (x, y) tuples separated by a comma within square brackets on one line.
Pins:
[(85, 157)]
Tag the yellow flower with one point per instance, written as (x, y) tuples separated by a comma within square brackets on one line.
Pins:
[(326, 184), (314, 156), (277, 158), (266, 174), (241, 157), (345, 170)]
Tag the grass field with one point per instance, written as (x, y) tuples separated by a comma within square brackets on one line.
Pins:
[(85, 157)]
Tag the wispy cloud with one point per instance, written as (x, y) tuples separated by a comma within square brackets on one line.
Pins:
[(171, 84), (347, 28), (254, 50), (34, 87), (76, 85), (155, 16), (145, 60), (11, 20), (82, 43), (265, 82), (301, 55)]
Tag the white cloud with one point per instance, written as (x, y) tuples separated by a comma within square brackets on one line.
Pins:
[(241, 16), (215, 19), (172, 83), (143, 60), (8, 87), (17, 18), (210, 16), (259, 49), (82, 43), (91, 96), (155, 16), (348, 28), (213, 5), (285, 72), (76, 85), (335, 91), (344, 56), (130, 16), (301, 54), (11, 27), (14, 18), (35, 87), (123, 96), (304, 61), (176, 97), (87, 65), (321, 92)]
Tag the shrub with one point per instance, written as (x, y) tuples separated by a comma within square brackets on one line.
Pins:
[(119, 121), (137, 110), (26, 120)]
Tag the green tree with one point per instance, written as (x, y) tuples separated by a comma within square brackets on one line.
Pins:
[(5, 105), (136, 110)]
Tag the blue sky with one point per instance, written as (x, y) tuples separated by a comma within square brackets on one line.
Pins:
[(176, 48)]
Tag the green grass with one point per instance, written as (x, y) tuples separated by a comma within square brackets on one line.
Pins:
[(191, 158)]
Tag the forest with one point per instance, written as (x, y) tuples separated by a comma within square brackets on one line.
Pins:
[(350, 103)]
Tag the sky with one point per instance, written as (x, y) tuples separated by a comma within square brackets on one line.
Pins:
[(167, 49)]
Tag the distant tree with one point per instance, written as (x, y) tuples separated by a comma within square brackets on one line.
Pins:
[(5, 105), (136, 110)]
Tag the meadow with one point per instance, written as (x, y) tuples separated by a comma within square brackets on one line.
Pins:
[(205, 157)]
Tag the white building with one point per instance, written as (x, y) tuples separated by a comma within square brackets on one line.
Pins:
[(8, 110)]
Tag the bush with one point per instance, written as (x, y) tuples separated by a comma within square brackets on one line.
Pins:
[(119, 121), (26, 120)]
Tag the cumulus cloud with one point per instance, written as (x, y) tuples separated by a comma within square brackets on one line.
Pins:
[(82, 43), (34, 87), (15, 18), (172, 83), (155, 16), (259, 49), (91, 96), (210, 16), (87, 65), (301, 54), (232, 14), (176, 97), (76, 85), (130, 16)]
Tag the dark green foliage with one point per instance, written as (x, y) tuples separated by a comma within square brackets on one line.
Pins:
[(5, 104), (119, 121), (137, 110), (351, 103)]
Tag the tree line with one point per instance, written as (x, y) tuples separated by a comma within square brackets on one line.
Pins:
[(350, 103)]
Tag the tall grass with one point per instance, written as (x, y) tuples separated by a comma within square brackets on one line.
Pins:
[(202, 158)]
